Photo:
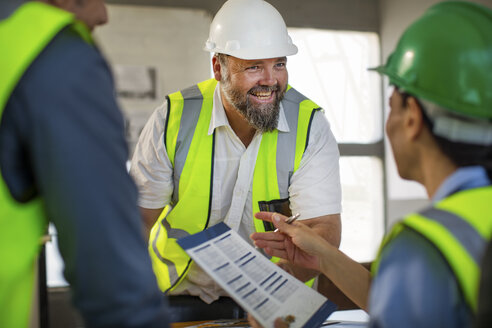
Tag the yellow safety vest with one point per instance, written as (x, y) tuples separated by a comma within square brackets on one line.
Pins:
[(460, 227), (23, 36), (191, 152)]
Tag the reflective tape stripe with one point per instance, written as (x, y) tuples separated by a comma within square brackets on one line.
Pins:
[(286, 142), (309, 127), (460, 238), (171, 267), (466, 234), (171, 233), (193, 100), (294, 96), (173, 121)]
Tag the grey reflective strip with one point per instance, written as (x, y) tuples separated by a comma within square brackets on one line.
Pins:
[(174, 233), (465, 233), (171, 268), (193, 101), (171, 233), (286, 142)]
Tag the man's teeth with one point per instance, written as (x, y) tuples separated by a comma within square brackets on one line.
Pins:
[(263, 94)]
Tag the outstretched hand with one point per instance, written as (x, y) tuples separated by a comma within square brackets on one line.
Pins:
[(302, 246), (295, 242)]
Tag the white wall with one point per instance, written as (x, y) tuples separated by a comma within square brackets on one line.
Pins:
[(168, 39)]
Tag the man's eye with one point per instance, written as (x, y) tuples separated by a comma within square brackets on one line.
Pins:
[(253, 68), (280, 65)]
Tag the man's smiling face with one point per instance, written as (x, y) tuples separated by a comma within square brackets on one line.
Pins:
[(255, 88)]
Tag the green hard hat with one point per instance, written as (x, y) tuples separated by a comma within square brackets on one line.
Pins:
[(445, 57)]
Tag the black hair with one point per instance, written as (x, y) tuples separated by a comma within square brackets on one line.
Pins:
[(460, 153)]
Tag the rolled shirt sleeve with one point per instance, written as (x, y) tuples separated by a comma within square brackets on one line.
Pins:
[(150, 167), (315, 188)]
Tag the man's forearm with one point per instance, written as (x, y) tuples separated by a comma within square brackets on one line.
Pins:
[(149, 217)]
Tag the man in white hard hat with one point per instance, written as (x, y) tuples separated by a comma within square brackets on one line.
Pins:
[(227, 147)]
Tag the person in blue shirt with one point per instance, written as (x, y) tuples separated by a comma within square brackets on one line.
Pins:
[(62, 146), (440, 129), (484, 312)]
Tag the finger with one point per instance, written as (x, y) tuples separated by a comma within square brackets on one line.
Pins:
[(269, 236), (278, 221), (277, 253), (267, 216), (270, 244), (280, 323), (290, 247), (252, 321)]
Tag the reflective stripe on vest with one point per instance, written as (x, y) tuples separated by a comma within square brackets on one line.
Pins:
[(191, 152), (459, 227), (23, 36)]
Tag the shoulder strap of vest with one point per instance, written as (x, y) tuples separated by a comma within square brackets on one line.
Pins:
[(175, 104), (191, 150), (299, 112), (464, 215), (24, 35), (271, 183), (459, 227), (307, 109)]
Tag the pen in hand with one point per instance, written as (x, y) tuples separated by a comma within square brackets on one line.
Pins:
[(290, 219)]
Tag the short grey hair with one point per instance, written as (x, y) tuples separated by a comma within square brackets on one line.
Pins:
[(223, 60)]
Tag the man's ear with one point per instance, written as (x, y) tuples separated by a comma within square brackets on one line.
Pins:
[(414, 119), (217, 68)]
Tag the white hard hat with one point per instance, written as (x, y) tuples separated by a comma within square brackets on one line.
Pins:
[(249, 29)]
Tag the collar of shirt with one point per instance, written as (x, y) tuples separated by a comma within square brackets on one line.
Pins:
[(219, 117), (462, 179)]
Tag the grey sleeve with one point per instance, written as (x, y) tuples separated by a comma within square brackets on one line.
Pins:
[(415, 287), (75, 141)]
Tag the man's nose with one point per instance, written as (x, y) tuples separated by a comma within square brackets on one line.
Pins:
[(268, 77)]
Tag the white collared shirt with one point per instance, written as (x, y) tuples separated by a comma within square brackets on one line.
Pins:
[(314, 191)]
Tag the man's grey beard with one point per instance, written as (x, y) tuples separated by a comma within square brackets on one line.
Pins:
[(263, 117)]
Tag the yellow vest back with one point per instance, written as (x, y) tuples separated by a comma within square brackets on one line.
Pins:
[(23, 36), (459, 226)]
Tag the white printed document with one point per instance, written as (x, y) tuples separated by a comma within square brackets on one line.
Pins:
[(253, 281)]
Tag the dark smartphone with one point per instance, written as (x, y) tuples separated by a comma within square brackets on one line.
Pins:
[(277, 205)]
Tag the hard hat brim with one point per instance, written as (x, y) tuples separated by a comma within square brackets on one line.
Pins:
[(251, 54)]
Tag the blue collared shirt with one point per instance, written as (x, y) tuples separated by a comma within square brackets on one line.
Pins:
[(414, 286), (464, 178)]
